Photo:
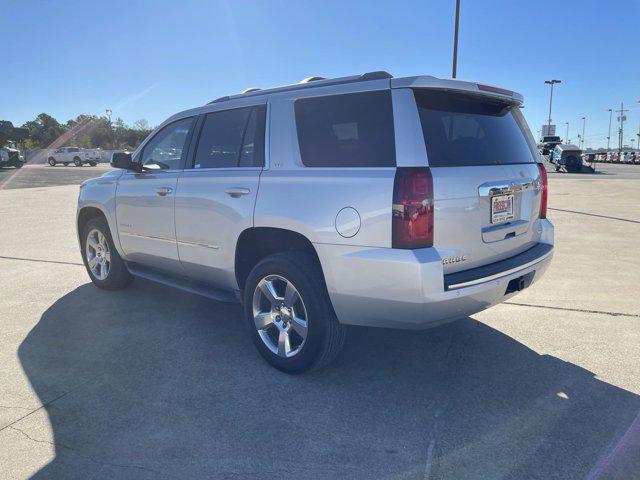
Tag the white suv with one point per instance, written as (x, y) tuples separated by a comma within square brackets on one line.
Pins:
[(365, 200)]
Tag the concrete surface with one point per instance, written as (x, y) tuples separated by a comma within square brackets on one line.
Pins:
[(32, 176), (155, 383)]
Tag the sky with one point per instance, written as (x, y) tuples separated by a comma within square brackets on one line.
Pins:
[(150, 59)]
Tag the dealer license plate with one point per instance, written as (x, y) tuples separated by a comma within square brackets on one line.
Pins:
[(501, 208)]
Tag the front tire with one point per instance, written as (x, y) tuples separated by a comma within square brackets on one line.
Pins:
[(77, 162), (289, 314), (52, 161), (102, 261)]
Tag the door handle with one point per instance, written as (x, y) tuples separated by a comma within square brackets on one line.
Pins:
[(237, 192), (164, 191)]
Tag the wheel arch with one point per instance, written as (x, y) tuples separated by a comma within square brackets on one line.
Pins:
[(256, 243), (84, 215)]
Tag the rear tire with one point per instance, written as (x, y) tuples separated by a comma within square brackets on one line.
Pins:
[(92, 164), (52, 161), (323, 337), (102, 261)]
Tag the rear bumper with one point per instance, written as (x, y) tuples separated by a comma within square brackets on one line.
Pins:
[(407, 289)]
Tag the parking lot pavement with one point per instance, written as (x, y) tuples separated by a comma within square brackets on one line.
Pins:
[(33, 176), (154, 383)]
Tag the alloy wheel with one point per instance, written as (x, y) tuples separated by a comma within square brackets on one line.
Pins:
[(98, 254), (280, 316)]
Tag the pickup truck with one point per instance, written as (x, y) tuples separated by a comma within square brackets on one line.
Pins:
[(10, 157), (75, 155)]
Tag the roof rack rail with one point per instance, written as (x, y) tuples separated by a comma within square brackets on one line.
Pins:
[(310, 82), (250, 89), (311, 79), (378, 75), (220, 99)]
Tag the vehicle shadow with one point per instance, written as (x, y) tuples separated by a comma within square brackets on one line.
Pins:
[(155, 383)]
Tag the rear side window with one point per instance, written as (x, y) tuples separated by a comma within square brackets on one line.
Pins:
[(232, 138), (350, 130), (463, 129)]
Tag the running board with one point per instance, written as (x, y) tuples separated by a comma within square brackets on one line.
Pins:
[(181, 283)]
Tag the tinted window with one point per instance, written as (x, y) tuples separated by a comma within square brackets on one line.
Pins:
[(252, 153), (232, 138), (167, 148), (73, 150), (462, 129), (352, 130)]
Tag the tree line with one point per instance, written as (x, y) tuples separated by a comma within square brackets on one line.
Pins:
[(85, 131)]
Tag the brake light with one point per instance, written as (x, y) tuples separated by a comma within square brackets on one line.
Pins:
[(412, 210), (545, 189)]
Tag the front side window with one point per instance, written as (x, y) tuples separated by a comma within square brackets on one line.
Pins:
[(232, 138), (348, 130), (464, 129), (165, 151)]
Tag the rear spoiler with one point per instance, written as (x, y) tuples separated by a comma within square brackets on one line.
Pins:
[(457, 85)]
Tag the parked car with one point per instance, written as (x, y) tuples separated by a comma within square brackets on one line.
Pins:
[(75, 155), (364, 200), (567, 157), (628, 157), (548, 143), (10, 157)]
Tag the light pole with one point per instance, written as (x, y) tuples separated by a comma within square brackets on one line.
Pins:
[(566, 138), (609, 135), (108, 111), (455, 41), (550, 82), (584, 121)]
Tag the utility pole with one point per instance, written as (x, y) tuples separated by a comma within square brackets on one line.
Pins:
[(621, 119), (609, 135), (566, 138), (638, 134), (584, 121), (455, 40), (550, 82)]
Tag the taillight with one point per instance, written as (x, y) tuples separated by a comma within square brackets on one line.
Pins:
[(412, 210), (545, 189)]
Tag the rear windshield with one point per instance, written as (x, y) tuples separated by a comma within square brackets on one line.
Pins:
[(463, 129)]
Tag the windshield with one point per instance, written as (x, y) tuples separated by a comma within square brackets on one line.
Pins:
[(462, 129)]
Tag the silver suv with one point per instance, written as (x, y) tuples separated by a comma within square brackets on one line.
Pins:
[(364, 200)]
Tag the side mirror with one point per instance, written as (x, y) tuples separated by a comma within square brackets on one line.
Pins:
[(123, 160)]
